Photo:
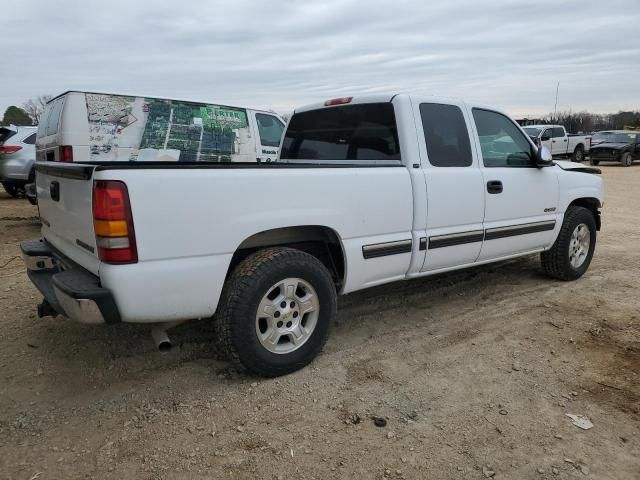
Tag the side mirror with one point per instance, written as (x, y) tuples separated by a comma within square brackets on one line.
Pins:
[(544, 157), (544, 138)]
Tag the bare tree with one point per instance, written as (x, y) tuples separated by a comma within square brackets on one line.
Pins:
[(35, 107)]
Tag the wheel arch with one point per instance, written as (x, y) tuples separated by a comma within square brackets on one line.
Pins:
[(321, 241), (592, 204)]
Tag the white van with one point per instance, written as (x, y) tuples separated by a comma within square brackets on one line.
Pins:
[(101, 127)]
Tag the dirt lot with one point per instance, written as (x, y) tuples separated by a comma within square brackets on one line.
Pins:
[(474, 371)]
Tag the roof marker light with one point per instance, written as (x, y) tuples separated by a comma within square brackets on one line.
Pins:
[(338, 101)]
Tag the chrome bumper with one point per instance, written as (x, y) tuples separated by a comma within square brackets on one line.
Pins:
[(69, 289)]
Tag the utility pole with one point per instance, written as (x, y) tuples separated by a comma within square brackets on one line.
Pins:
[(555, 107)]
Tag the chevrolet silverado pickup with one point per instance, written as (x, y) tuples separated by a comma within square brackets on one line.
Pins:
[(559, 142), (366, 191)]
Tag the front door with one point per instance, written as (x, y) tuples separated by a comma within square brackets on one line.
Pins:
[(455, 196), (520, 199), (559, 141)]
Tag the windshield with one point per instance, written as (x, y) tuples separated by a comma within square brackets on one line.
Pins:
[(621, 137), (532, 131), (600, 136)]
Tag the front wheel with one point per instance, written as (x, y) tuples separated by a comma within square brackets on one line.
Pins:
[(276, 311), (626, 159), (571, 254), (578, 154), (594, 162)]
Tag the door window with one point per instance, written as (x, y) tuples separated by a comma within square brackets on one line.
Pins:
[(557, 132), (502, 143), (546, 135), (446, 135), (270, 130)]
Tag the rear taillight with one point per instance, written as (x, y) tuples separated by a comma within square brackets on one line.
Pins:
[(113, 222), (8, 149), (66, 153)]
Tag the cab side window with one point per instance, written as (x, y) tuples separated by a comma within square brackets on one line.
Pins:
[(546, 135), (446, 135), (270, 130), (502, 143), (558, 132)]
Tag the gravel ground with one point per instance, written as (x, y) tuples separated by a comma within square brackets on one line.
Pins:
[(474, 373)]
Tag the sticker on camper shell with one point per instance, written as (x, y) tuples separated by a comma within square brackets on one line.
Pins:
[(141, 129)]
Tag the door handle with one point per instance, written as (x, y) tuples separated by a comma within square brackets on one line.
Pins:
[(54, 191), (553, 141), (494, 186), (565, 140)]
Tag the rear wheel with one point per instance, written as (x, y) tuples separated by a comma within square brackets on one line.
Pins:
[(626, 159), (593, 161), (276, 310), (14, 189), (571, 254), (578, 154)]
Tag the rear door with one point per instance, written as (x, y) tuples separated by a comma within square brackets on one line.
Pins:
[(520, 199), (455, 196), (269, 129), (65, 204), (47, 138)]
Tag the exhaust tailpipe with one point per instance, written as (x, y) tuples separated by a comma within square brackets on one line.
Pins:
[(161, 339)]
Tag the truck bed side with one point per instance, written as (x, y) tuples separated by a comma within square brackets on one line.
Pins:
[(190, 221)]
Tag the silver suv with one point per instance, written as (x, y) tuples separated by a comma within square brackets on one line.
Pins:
[(17, 156)]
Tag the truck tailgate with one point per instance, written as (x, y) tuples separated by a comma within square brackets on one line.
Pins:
[(65, 204)]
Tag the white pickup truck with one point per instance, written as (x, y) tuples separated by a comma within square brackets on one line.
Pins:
[(559, 142), (366, 191)]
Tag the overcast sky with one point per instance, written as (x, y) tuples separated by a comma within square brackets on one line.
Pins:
[(278, 54)]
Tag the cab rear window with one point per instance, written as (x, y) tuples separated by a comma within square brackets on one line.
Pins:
[(346, 133)]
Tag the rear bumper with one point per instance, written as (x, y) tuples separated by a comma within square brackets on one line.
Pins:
[(71, 290), (15, 169)]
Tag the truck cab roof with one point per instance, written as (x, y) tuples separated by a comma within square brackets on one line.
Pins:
[(374, 98)]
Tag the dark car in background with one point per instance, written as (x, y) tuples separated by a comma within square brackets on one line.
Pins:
[(619, 146), (600, 137)]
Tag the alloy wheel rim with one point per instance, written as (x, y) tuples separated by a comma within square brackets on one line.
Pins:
[(287, 315), (579, 245)]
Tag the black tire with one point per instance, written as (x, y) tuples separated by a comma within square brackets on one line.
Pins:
[(250, 281), (594, 162), (578, 154), (556, 261), (626, 159), (16, 190)]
